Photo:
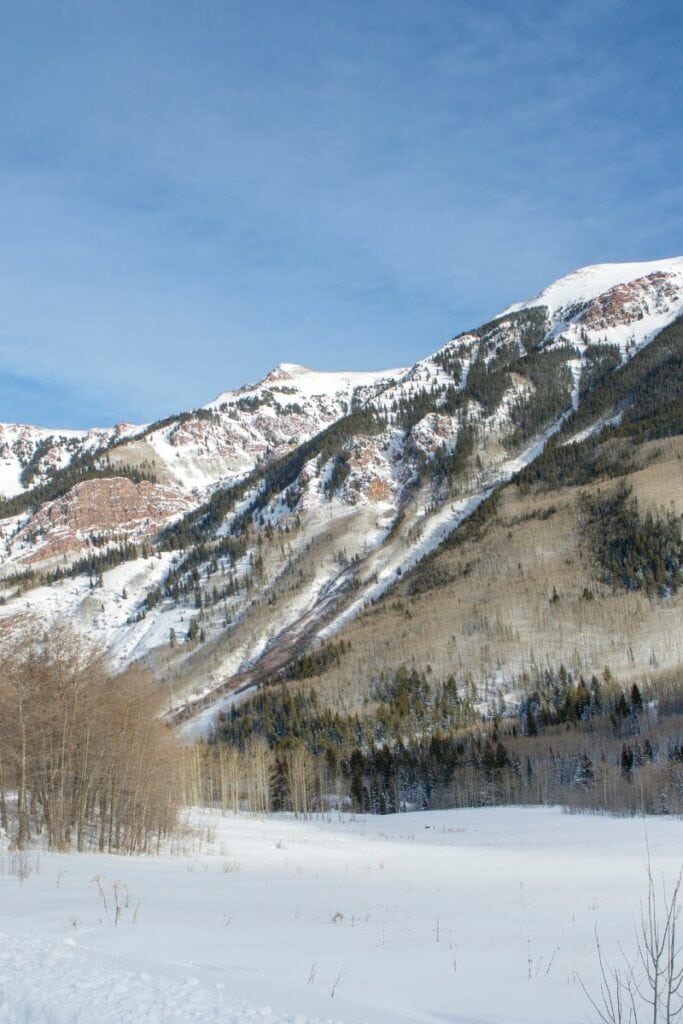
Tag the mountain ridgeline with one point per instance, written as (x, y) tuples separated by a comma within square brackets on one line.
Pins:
[(384, 564)]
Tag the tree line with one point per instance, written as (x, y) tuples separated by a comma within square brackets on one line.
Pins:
[(422, 743)]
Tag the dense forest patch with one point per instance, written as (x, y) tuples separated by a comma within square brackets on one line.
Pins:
[(634, 551), (425, 744)]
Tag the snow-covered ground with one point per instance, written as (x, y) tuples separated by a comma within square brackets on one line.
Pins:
[(462, 916)]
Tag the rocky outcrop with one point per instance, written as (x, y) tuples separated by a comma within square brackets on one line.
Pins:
[(630, 302), (105, 510)]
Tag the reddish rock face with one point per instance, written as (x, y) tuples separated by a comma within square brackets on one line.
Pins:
[(379, 490), (114, 508), (628, 302)]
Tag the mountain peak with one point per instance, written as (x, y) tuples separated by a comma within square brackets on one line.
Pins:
[(286, 371), (312, 383), (587, 283)]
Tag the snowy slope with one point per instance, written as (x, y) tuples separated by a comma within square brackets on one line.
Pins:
[(625, 304), (288, 379), (228, 437), (19, 444), (197, 451)]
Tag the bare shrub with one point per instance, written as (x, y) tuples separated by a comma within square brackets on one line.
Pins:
[(647, 987)]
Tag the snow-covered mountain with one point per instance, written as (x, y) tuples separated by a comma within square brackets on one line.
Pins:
[(218, 543), (196, 450)]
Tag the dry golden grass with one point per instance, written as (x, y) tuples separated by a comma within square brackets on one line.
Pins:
[(497, 618), (140, 454)]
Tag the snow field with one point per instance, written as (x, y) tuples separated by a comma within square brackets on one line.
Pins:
[(467, 916)]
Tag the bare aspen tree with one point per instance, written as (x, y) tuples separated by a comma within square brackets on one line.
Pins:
[(258, 764), (299, 780), (85, 750), (230, 765)]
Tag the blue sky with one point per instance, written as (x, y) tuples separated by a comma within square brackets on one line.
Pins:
[(191, 193)]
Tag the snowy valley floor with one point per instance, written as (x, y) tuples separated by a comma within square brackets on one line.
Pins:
[(454, 916)]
